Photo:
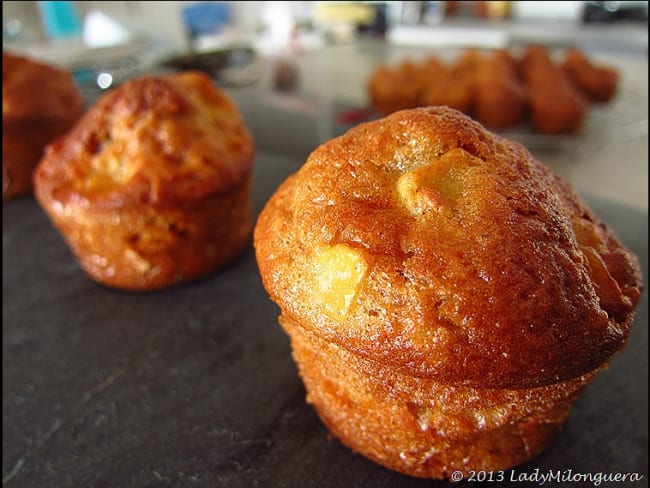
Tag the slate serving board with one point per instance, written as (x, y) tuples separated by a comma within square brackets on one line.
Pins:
[(195, 386)]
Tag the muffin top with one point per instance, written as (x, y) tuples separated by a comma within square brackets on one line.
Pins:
[(154, 140), (34, 91), (425, 242)]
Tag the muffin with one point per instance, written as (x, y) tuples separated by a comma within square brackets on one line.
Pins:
[(39, 103), (555, 104), (499, 99), (153, 186), (447, 296), (444, 87), (396, 88), (597, 83)]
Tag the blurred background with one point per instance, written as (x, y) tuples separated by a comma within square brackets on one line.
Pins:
[(299, 70)]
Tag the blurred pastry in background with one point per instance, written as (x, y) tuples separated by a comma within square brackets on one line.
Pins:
[(498, 88), (499, 98), (465, 65), (152, 187), (395, 88), (39, 103), (556, 106), (443, 87), (464, 68), (507, 58), (597, 83), (432, 66)]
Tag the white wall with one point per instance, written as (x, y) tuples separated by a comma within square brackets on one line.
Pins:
[(162, 21), (159, 21), (568, 10)]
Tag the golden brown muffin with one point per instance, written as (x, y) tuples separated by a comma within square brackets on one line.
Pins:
[(597, 83), (556, 106), (422, 427), (39, 103), (447, 296), (396, 88), (499, 98), (443, 87), (153, 186), (455, 86), (466, 64), (445, 90)]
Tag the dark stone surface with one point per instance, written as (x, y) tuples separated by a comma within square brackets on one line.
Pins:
[(195, 386)]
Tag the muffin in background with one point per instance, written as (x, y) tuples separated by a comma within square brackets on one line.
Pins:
[(499, 88), (596, 82), (447, 296), (39, 103), (152, 187), (500, 98), (556, 106), (398, 88)]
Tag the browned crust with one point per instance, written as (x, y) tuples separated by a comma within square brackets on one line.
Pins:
[(500, 99), (398, 88), (39, 103), (510, 282), (32, 90), (141, 247), (598, 83), (161, 140), (420, 427), (556, 106), (498, 89), (153, 186)]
